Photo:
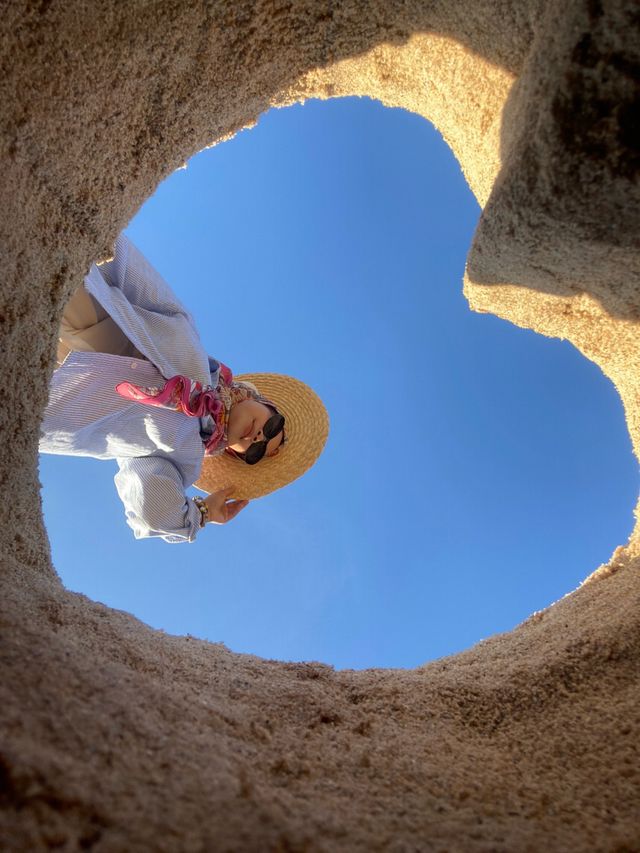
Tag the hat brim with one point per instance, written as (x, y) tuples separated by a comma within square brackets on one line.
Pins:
[(306, 430)]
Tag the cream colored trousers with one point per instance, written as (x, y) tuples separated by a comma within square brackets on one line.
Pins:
[(86, 327)]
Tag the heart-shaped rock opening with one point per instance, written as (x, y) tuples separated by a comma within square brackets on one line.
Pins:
[(329, 243)]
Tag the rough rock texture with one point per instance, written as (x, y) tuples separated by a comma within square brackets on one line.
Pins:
[(115, 737)]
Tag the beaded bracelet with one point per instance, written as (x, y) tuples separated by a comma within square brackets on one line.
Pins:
[(204, 510)]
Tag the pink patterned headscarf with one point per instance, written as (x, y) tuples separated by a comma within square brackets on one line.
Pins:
[(196, 400)]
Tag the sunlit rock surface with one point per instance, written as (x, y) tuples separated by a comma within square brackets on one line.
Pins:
[(116, 737)]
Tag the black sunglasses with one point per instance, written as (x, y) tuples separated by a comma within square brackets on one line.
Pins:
[(271, 429)]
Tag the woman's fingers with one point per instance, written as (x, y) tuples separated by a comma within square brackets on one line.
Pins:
[(216, 500), (234, 507), (222, 508)]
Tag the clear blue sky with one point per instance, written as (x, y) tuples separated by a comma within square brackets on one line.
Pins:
[(475, 472)]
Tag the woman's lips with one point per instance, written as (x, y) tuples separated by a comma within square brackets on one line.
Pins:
[(249, 430)]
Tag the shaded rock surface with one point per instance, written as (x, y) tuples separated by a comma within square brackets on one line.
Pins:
[(117, 737)]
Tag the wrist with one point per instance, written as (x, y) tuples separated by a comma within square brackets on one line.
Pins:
[(204, 510)]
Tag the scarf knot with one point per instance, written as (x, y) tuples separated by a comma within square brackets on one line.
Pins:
[(196, 400)]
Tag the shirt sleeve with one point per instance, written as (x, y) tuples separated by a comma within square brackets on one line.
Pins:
[(152, 491), (142, 285)]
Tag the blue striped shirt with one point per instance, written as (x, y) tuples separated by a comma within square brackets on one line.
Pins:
[(159, 452)]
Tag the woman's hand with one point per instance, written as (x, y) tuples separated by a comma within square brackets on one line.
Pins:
[(221, 508)]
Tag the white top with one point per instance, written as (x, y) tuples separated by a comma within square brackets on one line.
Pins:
[(159, 452)]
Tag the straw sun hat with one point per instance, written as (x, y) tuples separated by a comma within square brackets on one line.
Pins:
[(306, 429)]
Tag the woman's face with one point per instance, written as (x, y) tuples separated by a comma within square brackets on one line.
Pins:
[(246, 420)]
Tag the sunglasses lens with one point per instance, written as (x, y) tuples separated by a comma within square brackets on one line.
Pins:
[(255, 453), (273, 426)]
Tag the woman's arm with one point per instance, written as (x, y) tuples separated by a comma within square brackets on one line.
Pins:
[(131, 273), (152, 491), (150, 315)]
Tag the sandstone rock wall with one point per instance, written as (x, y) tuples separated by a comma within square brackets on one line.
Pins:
[(117, 737)]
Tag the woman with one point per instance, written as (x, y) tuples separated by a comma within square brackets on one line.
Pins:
[(134, 384)]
